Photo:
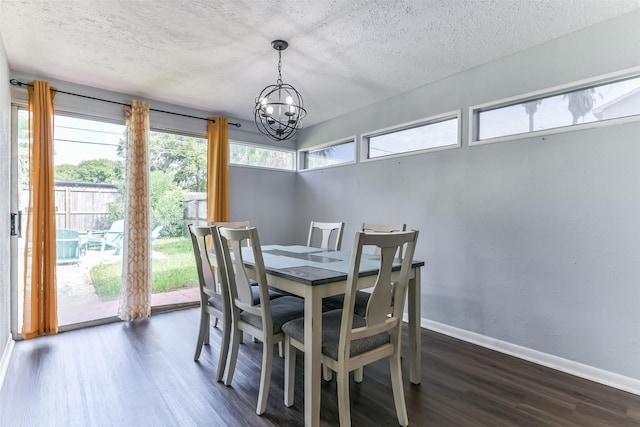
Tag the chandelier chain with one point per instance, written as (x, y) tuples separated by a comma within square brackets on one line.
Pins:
[(279, 67)]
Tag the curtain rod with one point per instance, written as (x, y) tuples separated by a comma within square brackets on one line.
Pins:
[(15, 82)]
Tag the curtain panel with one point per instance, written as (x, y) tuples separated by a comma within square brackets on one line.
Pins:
[(135, 295), (40, 314), (218, 169)]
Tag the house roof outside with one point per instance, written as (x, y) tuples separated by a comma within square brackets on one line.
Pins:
[(627, 104), (73, 184)]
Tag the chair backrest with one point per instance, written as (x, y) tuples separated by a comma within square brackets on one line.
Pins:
[(115, 233), (155, 233), (117, 226), (240, 292), (67, 244), (384, 228), (231, 224), (326, 229), (387, 296), (206, 278)]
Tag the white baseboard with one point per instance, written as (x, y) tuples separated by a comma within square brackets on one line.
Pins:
[(601, 376), (4, 360)]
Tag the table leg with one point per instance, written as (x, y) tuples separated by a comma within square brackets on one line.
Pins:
[(414, 328), (312, 356)]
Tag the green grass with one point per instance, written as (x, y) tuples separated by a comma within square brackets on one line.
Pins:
[(177, 269)]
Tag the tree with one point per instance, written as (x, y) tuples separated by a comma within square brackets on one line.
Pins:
[(258, 156), (178, 163), (90, 171), (581, 102), (166, 203), (531, 107), (23, 148), (184, 157)]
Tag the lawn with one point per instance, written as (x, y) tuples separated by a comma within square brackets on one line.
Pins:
[(173, 268)]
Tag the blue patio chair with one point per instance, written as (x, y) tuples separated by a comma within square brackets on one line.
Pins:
[(67, 246), (155, 233), (111, 238)]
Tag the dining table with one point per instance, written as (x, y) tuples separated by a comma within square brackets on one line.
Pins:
[(313, 274)]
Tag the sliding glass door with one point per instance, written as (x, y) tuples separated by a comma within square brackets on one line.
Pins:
[(89, 177), (89, 183)]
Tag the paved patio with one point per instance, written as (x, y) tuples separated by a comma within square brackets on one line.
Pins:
[(77, 298)]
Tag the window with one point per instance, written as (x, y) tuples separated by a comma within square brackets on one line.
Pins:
[(335, 154), (262, 157), (568, 108), (435, 133)]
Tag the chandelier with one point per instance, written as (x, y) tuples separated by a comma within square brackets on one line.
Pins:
[(279, 108)]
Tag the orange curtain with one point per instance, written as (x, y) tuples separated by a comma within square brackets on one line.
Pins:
[(218, 169), (40, 315), (135, 294)]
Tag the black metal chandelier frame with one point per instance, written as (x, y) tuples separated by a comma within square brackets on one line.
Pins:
[(279, 108)]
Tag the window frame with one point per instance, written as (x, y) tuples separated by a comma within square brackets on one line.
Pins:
[(303, 152), (364, 137), (267, 147), (592, 82)]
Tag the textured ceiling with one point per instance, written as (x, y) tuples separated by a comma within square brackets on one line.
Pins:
[(216, 55)]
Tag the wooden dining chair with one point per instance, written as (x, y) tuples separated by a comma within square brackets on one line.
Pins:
[(273, 293), (262, 320), (350, 341), (362, 298), (326, 229), (214, 298)]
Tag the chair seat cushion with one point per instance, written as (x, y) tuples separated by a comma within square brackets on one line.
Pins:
[(331, 321), (216, 302), (273, 294), (336, 302), (283, 310)]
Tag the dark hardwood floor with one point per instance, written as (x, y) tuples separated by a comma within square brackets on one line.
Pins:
[(143, 374)]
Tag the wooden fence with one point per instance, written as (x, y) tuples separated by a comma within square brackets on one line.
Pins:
[(79, 207), (195, 209), (85, 207)]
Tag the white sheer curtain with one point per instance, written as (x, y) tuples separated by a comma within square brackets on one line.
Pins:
[(135, 295)]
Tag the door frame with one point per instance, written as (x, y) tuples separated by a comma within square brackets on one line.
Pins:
[(14, 240)]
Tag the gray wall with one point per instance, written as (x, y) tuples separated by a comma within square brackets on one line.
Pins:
[(265, 197), (534, 242), (5, 116)]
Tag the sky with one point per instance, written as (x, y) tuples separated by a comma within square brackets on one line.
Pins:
[(80, 139)]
